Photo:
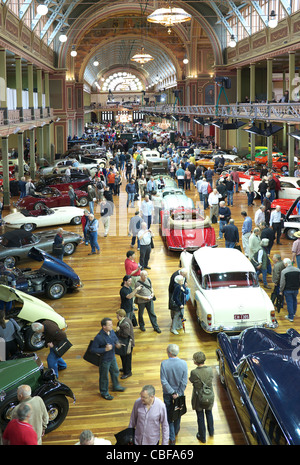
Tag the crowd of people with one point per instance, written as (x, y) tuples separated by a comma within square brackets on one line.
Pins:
[(218, 192)]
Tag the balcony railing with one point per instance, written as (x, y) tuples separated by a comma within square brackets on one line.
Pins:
[(280, 112)]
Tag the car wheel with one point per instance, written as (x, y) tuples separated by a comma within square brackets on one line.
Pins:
[(69, 248), (28, 227), (290, 233), (102, 164), (56, 289), (33, 340), (57, 408), (10, 262), (38, 205), (284, 169), (76, 220), (6, 410), (83, 201)]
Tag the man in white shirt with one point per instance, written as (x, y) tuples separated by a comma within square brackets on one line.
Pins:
[(275, 222), (259, 215), (213, 201), (147, 210)]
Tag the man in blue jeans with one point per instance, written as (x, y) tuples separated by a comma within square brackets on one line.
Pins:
[(131, 191), (92, 230), (104, 344), (289, 286), (53, 337), (173, 376)]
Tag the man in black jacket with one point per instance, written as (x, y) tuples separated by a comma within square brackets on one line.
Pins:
[(104, 345), (289, 286), (231, 234)]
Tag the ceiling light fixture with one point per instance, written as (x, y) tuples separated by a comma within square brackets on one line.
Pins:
[(142, 57), (63, 38), (232, 42), (96, 63), (42, 10), (73, 51), (273, 21), (169, 16)]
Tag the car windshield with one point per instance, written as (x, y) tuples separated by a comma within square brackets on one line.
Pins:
[(172, 193), (233, 279)]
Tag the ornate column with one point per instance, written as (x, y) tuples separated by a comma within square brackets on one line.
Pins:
[(30, 88), (3, 85), (6, 193), (21, 154), (19, 86), (269, 99)]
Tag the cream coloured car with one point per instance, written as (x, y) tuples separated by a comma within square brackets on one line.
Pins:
[(225, 290)]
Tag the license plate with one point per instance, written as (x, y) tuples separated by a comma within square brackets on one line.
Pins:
[(242, 317)]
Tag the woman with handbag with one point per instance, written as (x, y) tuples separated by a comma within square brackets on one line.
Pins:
[(203, 395), (178, 300), (125, 336)]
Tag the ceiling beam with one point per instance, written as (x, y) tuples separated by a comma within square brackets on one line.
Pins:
[(240, 17)]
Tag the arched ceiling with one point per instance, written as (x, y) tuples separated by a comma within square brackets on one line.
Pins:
[(112, 34)]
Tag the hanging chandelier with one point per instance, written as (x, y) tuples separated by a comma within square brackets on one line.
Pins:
[(142, 57), (169, 16)]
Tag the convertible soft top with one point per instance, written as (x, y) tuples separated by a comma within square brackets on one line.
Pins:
[(15, 238)]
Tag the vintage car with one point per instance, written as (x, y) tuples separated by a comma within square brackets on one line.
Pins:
[(225, 290), (26, 309), (290, 219), (77, 179), (170, 199), (156, 165), (184, 229), (206, 163), (278, 162), (260, 369), (289, 187), (32, 219), (163, 182), (15, 245), (61, 165), (54, 278), (53, 198), (285, 205), (29, 370)]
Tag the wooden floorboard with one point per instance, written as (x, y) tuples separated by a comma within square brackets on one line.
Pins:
[(83, 310)]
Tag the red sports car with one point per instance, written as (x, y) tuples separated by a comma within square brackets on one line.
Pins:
[(53, 198), (285, 205), (186, 230), (61, 182)]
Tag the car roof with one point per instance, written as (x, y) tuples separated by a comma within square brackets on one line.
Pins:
[(222, 260), (278, 374)]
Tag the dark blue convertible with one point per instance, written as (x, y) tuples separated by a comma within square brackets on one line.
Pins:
[(54, 278), (261, 372)]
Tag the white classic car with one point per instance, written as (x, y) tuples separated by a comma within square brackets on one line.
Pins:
[(289, 187), (32, 219), (225, 290)]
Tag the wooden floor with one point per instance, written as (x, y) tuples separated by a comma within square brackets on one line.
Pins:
[(102, 275)]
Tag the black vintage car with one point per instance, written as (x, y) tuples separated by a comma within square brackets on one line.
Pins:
[(30, 370), (261, 372)]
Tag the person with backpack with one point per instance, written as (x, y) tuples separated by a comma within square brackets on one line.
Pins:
[(203, 395)]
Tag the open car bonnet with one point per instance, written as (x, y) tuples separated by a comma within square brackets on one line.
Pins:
[(51, 265), (31, 309)]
